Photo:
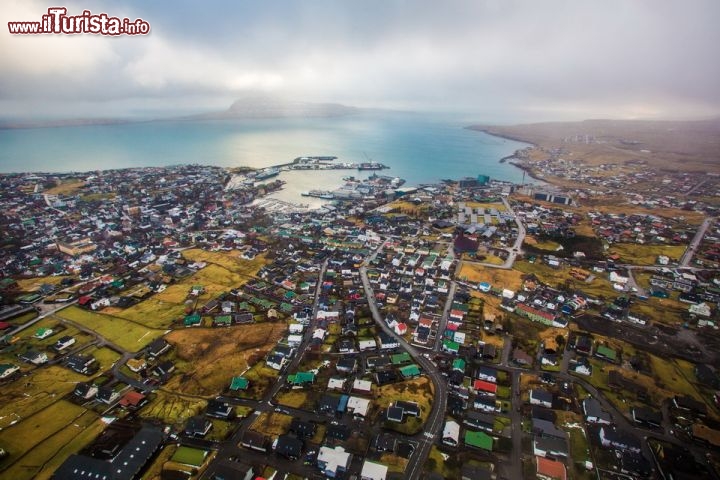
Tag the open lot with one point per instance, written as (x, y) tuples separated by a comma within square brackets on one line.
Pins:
[(35, 392), (173, 409), (637, 254), (224, 271), (474, 273), (419, 390), (210, 357), (42, 461), (272, 424), (36, 430), (128, 335)]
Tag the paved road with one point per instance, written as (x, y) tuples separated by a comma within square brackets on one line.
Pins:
[(513, 251), (695, 243), (434, 424)]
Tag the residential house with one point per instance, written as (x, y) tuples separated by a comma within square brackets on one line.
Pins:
[(615, 438), (333, 461), (548, 469), (84, 364), (219, 409), (157, 347), (85, 390), (594, 412), (373, 471), (550, 447), (451, 433), (133, 400), (358, 406), (647, 417), (34, 357), (479, 420), (63, 343), (541, 397), (254, 441), (107, 394), (289, 447), (197, 426), (547, 429), (488, 374), (303, 429)]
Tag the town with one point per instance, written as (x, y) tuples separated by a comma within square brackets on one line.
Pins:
[(174, 322)]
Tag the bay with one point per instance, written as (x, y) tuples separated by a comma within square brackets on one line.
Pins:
[(419, 148)]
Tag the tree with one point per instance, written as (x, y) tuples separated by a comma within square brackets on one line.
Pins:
[(560, 340)]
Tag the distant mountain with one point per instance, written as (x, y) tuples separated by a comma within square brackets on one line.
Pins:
[(70, 122), (270, 107), (251, 107)]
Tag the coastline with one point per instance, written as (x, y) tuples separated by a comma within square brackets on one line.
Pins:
[(507, 159)]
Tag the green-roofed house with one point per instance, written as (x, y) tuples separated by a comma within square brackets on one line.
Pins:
[(478, 440), (192, 320), (41, 333), (400, 358), (410, 371), (239, 383), (606, 353), (459, 364), (301, 378), (450, 346), (222, 321), (7, 369)]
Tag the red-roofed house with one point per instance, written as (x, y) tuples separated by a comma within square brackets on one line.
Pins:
[(534, 314), (550, 469), (483, 386)]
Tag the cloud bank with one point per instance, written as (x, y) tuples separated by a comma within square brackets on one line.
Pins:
[(514, 60)]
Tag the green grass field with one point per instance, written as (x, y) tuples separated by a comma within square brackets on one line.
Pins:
[(172, 409), (22, 437), (189, 456), (37, 391), (128, 335), (42, 461)]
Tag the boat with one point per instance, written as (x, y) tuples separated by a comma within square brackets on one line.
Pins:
[(371, 166), (267, 173), (324, 194)]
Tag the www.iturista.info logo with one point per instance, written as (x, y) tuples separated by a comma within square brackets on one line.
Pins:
[(57, 21)]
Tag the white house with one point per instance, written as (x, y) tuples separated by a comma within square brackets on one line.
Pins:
[(373, 471), (451, 433), (332, 461), (367, 344), (358, 406), (294, 340), (364, 386), (296, 328)]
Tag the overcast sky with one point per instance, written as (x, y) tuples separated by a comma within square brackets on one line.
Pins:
[(494, 60)]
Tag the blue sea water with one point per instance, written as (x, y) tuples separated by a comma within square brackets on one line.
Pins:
[(417, 147)]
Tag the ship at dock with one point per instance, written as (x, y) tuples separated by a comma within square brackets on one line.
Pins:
[(324, 194), (267, 173), (371, 166)]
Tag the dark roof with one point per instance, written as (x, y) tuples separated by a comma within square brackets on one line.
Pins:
[(196, 425), (217, 408), (385, 442), (395, 413), (126, 465), (543, 413), (289, 446), (338, 431), (347, 363), (328, 403), (302, 429)]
